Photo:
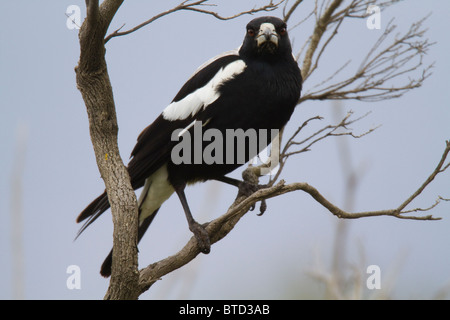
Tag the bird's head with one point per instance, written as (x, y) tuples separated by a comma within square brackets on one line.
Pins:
[(266, 37)]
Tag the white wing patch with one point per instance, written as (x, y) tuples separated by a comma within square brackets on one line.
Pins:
[(204, 96)]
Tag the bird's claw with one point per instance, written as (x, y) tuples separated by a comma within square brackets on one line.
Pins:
[(247, 189), (202, 237), (262, 207)]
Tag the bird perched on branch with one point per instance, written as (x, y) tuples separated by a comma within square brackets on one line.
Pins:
[(255, 87)]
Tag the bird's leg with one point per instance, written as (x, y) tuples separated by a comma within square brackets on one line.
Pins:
[(198, 230), (246, 188)]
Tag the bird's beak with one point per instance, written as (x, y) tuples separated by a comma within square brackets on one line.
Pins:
[(267, 33)]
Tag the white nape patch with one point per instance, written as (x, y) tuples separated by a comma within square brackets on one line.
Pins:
[(204, 96), (157, 190)]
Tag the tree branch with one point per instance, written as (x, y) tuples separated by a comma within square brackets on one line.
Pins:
[(439, 169), (291, 10), (270, 7), (194, 6), (320, 28), (95, 87), (220, 227), (378, 75)]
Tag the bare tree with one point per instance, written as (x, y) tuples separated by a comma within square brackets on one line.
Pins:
[(400, 58)]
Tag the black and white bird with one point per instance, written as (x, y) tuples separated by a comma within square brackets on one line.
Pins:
[(254, 87)]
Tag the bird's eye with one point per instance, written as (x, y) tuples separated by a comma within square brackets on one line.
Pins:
[(251, 32), (282, 31)]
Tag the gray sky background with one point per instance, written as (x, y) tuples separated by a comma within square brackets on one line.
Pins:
[(263, 257)]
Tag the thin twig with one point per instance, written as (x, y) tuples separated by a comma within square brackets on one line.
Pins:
[(194, 6)]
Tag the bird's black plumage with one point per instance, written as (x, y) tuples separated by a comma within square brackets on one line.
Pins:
[(255, 87)]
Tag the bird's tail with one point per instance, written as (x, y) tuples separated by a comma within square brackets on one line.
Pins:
[(156, 191), (93, 211), (105, 269)]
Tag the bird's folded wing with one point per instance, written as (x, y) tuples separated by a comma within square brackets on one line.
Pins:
[(154, 144)]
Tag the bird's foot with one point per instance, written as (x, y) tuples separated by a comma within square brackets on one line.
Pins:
[(202, 237), (246, 189)]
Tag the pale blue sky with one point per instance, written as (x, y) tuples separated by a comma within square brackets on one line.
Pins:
[(264, 257)]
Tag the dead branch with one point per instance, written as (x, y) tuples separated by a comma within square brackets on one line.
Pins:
[(291, 10), (220, 227), (94, 84), (322, 24), (374, 79), (197, 7), (293, 147), (388, 70)]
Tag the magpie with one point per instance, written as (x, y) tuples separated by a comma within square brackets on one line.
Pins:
[(256, 86)]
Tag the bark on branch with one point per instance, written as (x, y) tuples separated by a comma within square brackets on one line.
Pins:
[(95, 87)]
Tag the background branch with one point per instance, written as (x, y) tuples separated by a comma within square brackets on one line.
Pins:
[(320, 28), (381, 73)]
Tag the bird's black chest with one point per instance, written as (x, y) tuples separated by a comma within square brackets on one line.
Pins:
[(262, 97), (250, 106)]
